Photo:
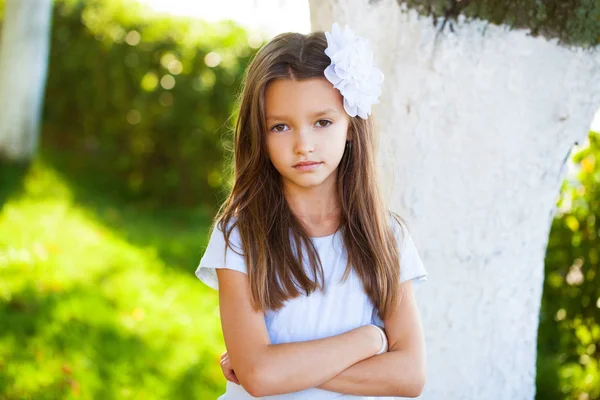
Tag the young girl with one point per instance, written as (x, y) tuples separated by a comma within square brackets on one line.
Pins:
[(316, 276)]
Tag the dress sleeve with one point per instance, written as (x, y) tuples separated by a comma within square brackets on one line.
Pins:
[(411, 265), (215, 257)]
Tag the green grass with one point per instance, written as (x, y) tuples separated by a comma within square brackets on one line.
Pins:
[(98, 300)]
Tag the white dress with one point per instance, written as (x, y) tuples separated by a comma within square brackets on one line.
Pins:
[(343, 307)]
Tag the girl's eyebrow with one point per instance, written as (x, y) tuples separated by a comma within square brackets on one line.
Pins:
[(316, 114)]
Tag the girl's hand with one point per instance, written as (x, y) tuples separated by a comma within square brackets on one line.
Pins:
[(227, 369)]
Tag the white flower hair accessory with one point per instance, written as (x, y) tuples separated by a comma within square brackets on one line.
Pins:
[(352, 71)]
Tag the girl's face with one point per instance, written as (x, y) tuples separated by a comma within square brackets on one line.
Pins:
[(306, 122)]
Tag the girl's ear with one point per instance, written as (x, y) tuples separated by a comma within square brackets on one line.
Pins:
[(350, 131)]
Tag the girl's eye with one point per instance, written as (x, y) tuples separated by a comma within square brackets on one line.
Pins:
[(323, 123), (324, 120), (274, 128)]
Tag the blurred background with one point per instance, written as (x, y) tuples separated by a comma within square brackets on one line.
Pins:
[(101, 232)]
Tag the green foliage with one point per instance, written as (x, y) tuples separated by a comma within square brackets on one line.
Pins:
[(130, 99), (97, 297), (573, 22), (569, 331), (98, 300)]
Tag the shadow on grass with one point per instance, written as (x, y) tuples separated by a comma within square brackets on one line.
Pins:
[(11, 179), (203, 388), (179, 235)]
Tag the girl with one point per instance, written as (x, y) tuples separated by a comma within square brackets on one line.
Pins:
[(308, 260)]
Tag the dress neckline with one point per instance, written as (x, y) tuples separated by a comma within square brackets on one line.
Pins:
[(321, 238)]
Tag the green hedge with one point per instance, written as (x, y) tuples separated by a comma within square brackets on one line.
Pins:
[(131, 100), (569, 331)]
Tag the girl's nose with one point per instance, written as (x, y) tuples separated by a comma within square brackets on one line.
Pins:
[(304, 142)]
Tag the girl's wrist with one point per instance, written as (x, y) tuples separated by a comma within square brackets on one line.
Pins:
[(374, 339), (380, 339)]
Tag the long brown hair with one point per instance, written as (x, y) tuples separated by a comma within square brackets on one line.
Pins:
[(266, 224)]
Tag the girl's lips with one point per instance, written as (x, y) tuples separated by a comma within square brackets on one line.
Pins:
[(308, 167)]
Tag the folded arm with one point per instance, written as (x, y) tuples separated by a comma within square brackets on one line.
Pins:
[(264, 369), (399, 372)]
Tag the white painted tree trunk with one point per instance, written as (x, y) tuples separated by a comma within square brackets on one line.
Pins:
[(475, 128), (24, 48)]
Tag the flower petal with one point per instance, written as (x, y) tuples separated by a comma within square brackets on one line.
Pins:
[(351, 70), (350, 109), (331, 75)]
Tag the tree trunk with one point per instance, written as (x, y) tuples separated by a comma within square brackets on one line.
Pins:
[(476, 125), (24, 47)]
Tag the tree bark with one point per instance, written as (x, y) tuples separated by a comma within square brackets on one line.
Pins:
[(24, 48), (476, 125)]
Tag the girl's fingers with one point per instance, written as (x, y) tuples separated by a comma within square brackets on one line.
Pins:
[(228, 370), (231, 377)]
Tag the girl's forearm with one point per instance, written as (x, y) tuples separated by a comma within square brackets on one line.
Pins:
[(290, 367), (388, 374)]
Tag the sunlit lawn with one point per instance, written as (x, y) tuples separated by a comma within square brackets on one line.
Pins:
[(99, 300)]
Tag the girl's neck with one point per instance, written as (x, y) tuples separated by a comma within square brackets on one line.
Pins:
[(323, 226), (320, 216)]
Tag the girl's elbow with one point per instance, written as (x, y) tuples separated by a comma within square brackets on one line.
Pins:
[(254, 389), (414, 389), (411, 385), (257, 382)]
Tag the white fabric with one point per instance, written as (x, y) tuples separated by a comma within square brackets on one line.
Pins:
[(343, 307)]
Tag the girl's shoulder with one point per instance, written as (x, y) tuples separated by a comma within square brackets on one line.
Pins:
[(219, 255), (411, 264), (398, 225)]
